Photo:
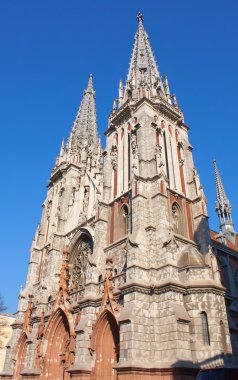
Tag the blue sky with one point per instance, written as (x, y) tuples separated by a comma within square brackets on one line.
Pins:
[(48, 49)]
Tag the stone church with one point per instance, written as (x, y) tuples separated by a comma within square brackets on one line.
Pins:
[(123, 282)]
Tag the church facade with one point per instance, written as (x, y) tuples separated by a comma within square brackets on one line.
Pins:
[(123, 282)]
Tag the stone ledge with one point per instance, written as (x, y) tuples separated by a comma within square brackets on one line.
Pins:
[(83, 368)]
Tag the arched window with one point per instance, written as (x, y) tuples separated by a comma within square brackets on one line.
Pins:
[(81, 253), (223, 337), (177, 219), (205, 328)]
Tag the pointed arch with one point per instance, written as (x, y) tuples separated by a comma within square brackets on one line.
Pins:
[(177, 219), (205, 329), (57, 343), (20, 356), (81, 251), (105, 346)]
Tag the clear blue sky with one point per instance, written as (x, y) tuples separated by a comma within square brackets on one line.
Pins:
[(48, 48)]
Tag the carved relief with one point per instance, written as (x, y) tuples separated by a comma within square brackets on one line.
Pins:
[(158, 155), (86, 199), (114, 156), (108, 299), (27, 326), (63, 292), (135, 154)]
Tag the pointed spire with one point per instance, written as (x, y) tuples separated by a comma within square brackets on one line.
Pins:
[(223, 207), (85, 125), (143, 70)]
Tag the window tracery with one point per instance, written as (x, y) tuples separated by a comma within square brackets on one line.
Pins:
[(81, 259)]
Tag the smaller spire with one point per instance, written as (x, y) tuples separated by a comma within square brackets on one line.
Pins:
[(120, 89), (175, 102), (223, 206), (62, 149), (114, 106), (166, 89)]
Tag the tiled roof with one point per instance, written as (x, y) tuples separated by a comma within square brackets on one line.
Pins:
[(215, 235)]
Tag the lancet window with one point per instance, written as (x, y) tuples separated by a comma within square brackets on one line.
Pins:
[(177, 219), (80, 260), (205, 328)]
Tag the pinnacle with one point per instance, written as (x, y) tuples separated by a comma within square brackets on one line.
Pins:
[(89, 88), (223, 206)]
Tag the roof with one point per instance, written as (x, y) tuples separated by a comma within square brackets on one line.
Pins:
[(214, 237)]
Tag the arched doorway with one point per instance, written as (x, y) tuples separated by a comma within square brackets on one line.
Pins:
[(58, 339), (21, 356), (105, 345)]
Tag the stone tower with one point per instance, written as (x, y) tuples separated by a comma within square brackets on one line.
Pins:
[(122, 282)]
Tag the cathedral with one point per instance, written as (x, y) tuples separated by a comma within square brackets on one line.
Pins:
[(124, 279)]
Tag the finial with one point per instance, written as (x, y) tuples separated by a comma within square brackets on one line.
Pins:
[(89, 88), (140, 17)]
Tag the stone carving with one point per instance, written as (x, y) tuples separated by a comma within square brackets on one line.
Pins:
[(63, 292), (158, 155), (170, 239), (135, 155), (114, 156), (86, 199), (196, 181), (26, 325), (81, 261), (108, 299)]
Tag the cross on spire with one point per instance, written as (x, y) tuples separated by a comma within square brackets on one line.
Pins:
[(140, 17)]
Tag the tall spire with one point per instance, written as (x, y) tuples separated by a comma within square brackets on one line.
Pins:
[(85, 125), (143, 69), (223, 207), (83, 136)]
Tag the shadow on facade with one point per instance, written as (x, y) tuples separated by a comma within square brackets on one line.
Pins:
[(218, 367)]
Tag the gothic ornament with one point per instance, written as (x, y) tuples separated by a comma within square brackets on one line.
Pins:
[(26, 325), (81, 261), (63, 292), (114, 157), (108, 299)]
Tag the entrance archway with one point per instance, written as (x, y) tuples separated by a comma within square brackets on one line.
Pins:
[(21, 356), (105, 345), (58, 339)]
